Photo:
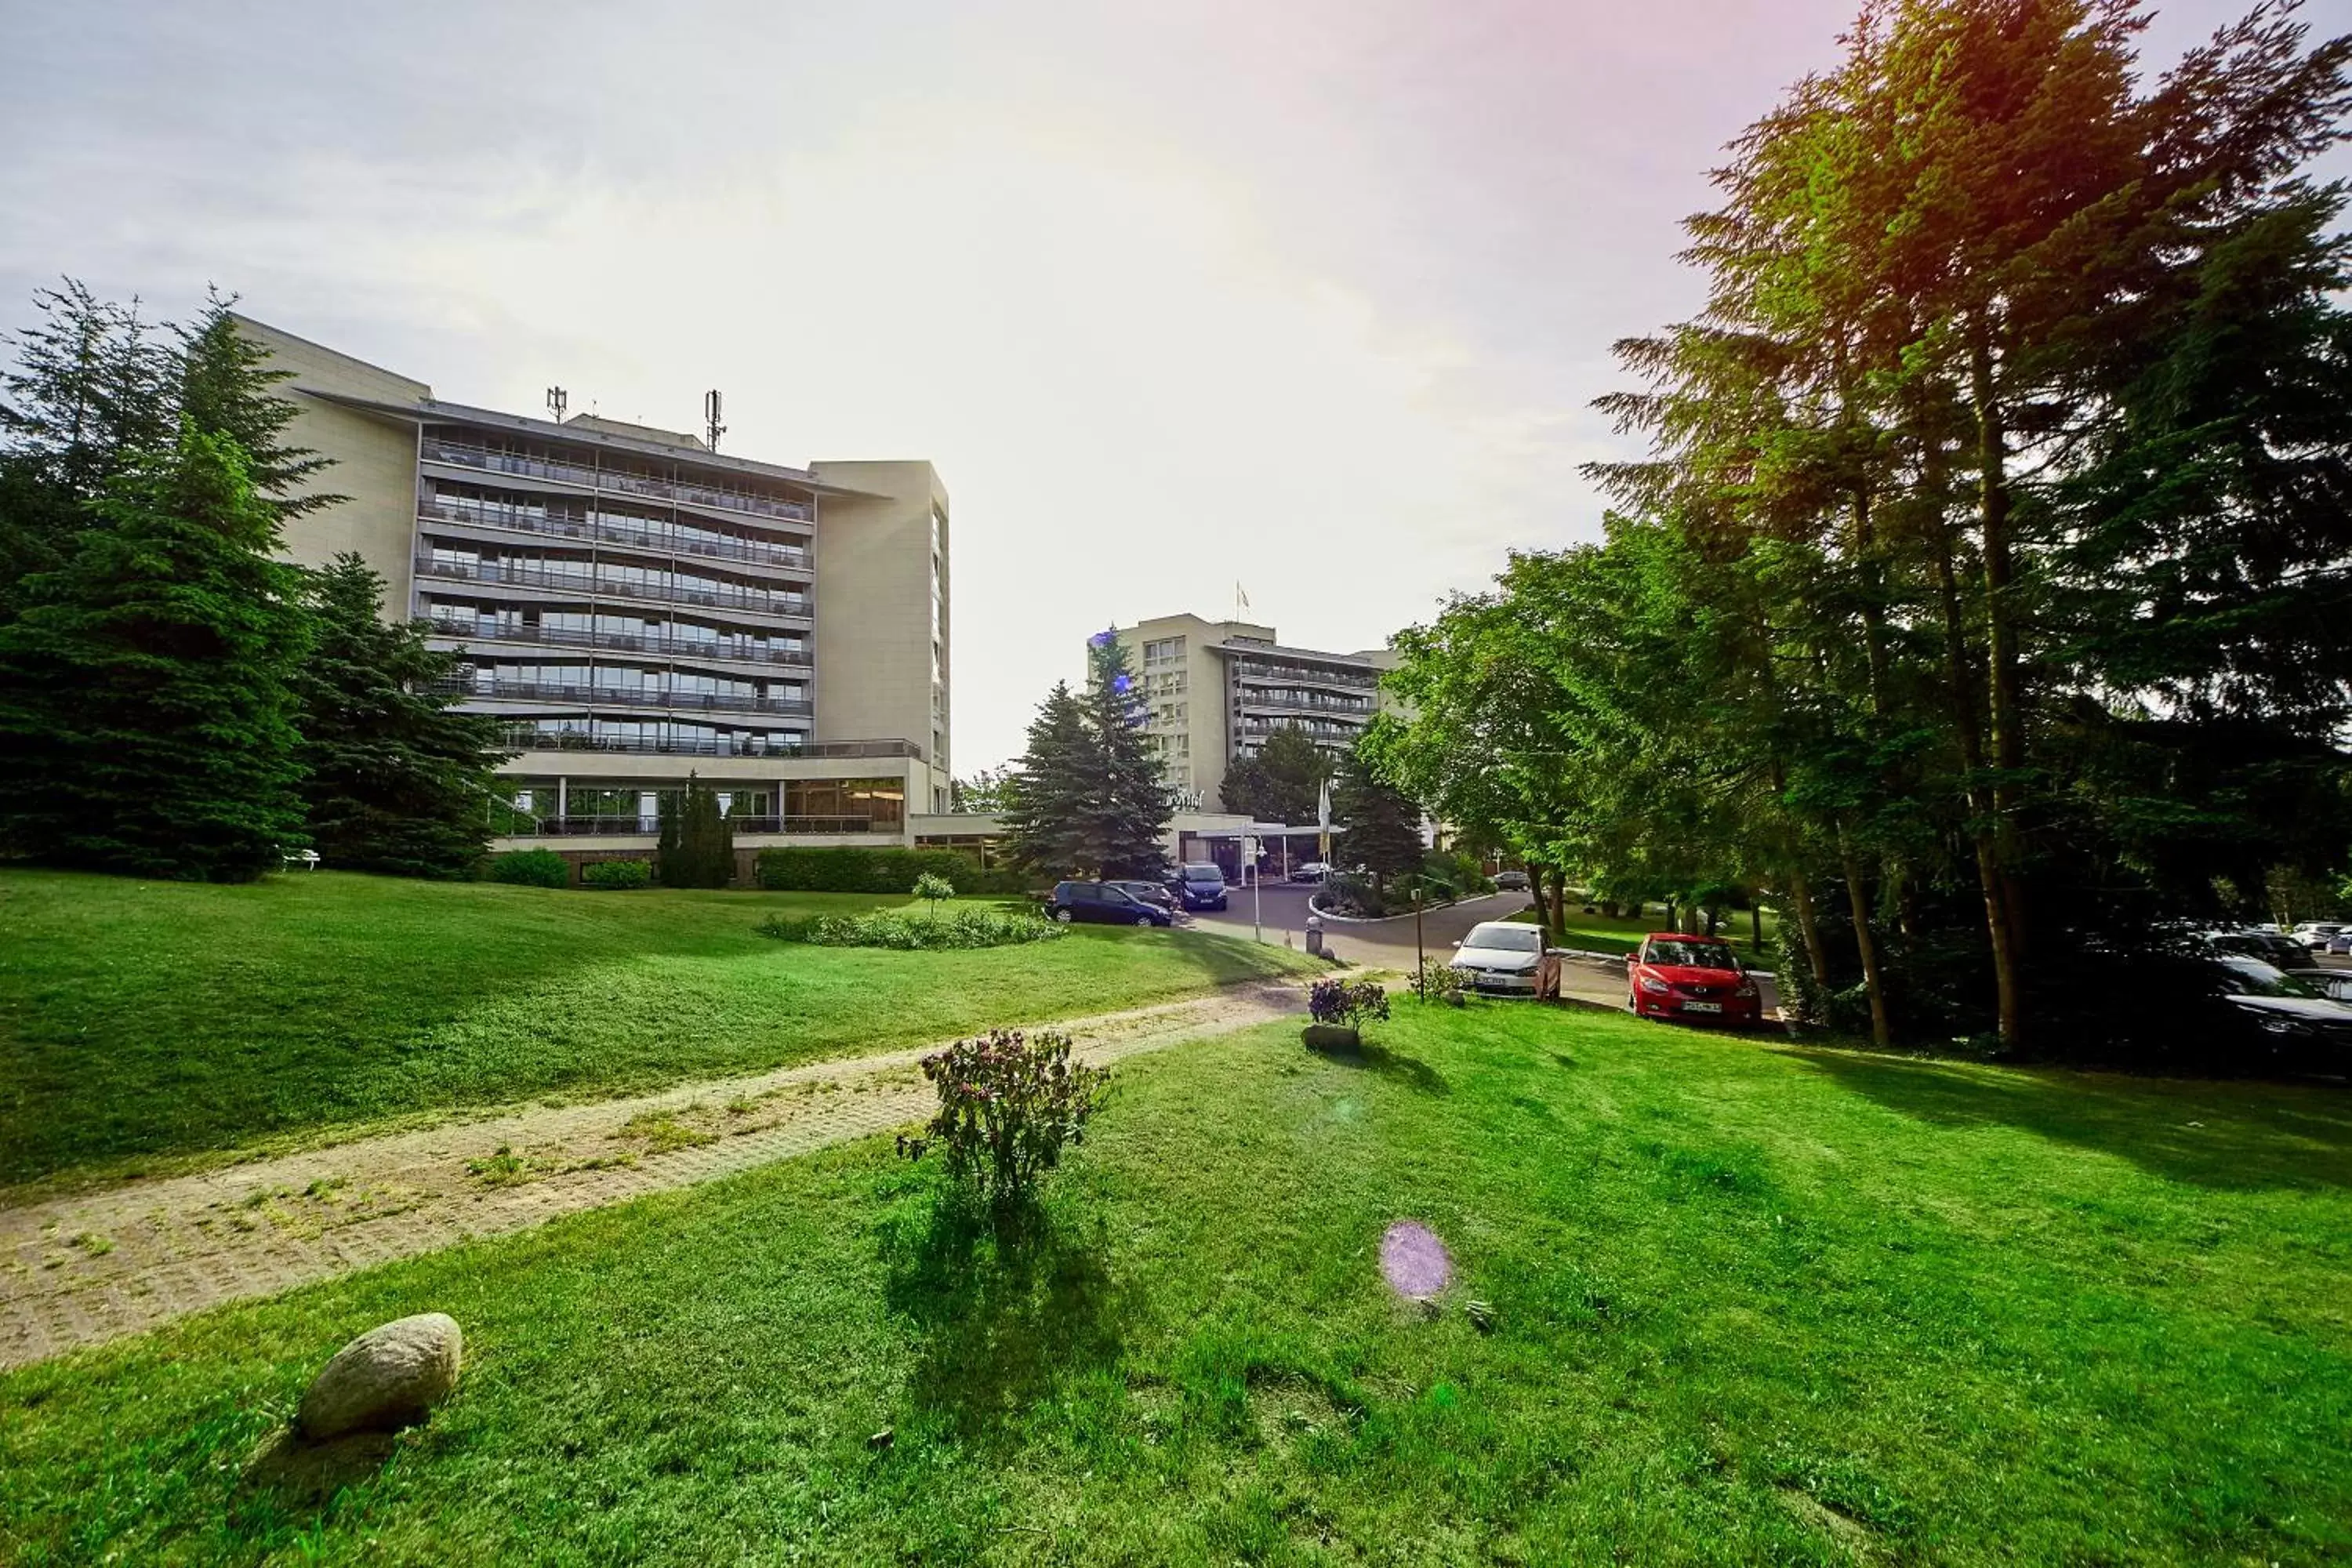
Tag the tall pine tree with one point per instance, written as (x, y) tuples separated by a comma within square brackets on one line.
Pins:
[(1045, 816), (397, 783), (1128, 813), (144, 685)]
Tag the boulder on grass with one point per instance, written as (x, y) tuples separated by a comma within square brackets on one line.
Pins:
[(1333, 1037), (385, 1379)]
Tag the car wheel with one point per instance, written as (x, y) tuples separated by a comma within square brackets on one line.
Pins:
[(1145, 920), (1062, 916)]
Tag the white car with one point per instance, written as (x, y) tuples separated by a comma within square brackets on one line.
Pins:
[(2314, 934), (1500, 956)]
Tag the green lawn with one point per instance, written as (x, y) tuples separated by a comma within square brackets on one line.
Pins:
[(143, 1023), (1600, 934), (1750, 1303)]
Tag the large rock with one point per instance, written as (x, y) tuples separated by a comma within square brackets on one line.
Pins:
[(386, 1378)]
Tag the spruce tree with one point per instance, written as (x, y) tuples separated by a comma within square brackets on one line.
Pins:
[(144, 685), (1381, 829), (226, 385), (1130, 805), (397, 783), (1045, 819), (89, 386)]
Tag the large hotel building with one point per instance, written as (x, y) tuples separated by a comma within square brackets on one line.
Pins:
[(1215, 690), (634, 606)]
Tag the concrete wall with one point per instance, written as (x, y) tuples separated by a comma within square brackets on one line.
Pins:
[(873, 641), (375, 459)]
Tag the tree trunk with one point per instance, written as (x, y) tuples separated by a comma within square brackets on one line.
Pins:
[(1817, 958), (1559, 903), (1754, 922), (2006, 891), (1858, 901)]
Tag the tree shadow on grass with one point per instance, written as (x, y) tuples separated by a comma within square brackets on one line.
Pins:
[(1005, 1306), (1410, 1071), (2207, 1133)]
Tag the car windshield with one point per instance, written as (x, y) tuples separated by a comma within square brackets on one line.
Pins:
[(1203, 874), (2252, 977), (1693, 955), (1506, 938)]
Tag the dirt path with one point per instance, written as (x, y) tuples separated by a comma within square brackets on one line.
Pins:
[(80, 1270)]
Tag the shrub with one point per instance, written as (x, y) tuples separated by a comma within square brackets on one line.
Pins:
[(931, 887), (959, 929), (1008, 1105), (531, 868), (1347, 1002), (792, 869), (614, 876), (1438, 980)]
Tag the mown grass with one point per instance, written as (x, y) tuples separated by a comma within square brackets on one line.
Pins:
[(1603, 933), (1747, 1303), (143, 1023)]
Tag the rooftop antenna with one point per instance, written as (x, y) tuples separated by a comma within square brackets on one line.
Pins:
[(710, 418), (558, 400)]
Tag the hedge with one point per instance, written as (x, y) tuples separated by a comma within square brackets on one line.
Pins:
[(795, 870), (531, 869), (615, 876)]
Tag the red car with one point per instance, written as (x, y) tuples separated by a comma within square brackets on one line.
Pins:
[(1695, 979)]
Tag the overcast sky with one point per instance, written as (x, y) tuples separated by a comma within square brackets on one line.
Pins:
[(1312, 296)]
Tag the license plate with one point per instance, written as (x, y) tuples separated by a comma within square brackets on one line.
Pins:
[(1702, 1007)]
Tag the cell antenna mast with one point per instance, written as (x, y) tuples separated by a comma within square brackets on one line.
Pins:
[(710, 417), (558, 400)]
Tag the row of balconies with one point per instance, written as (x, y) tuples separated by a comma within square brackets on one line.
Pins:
[(1257, 674), (561, 577), (493, 461), (584, 738), (623, 696), (741, 650), (623, 827), (602, 528)]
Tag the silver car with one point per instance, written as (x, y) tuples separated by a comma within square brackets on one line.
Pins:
[(1501, 956)]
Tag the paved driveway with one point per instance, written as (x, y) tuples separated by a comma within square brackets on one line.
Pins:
[(1387, 945)]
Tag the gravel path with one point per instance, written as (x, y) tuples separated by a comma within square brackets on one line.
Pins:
[(84, 1269)]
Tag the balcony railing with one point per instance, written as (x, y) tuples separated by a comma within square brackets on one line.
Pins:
[(490, 460), (525, 738), (616, 826), (623, 696), (1304, 701), (741, 651), (509, 573), (1255, 674), (601, 528)]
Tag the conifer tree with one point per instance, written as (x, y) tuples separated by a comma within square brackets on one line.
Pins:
[(226, 386), (704, 855), (89, 386), (396, 782), (1045, 818), (144, 690), (1127, 811), (1381, 829)]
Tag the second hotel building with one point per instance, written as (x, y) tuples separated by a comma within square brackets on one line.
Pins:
[(636, 607)]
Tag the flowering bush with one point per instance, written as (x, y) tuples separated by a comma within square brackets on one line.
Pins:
[(1008, 1104), (1347, 1002)]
